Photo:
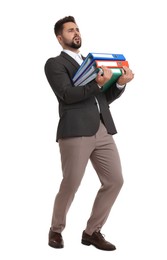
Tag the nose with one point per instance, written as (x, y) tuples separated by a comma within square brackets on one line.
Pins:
[(77, 33)]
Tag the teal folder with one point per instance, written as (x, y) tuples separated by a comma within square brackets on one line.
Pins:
[(116, 74)]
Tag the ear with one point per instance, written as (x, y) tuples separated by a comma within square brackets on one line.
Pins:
[(59, 38)]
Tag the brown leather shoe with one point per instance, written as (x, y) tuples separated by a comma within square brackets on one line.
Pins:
[(55, 239), (97, 240)]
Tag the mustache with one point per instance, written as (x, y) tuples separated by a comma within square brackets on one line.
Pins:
[(77, 38)]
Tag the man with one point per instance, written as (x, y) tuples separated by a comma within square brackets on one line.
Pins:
[(85, 131)]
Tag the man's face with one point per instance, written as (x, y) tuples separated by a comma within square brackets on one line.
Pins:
[(70, 37)]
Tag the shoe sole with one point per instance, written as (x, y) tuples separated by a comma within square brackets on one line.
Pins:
[(54, 246), (87, 243)]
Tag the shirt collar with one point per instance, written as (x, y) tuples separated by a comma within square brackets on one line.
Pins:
[(73, 54)]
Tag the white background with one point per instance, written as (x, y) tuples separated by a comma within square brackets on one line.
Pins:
[(30, 169)]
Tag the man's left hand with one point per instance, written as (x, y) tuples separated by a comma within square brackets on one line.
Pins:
[(127, 76)]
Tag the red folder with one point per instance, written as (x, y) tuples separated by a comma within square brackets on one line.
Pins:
[(112, 63)]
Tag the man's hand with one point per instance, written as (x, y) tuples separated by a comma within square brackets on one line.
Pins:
[(103, 76), (127, 76)]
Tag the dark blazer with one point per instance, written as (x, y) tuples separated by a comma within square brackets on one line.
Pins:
[(78, 110)]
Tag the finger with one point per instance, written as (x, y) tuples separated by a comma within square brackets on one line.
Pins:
[(123, 72), (100, 73), (103, 67), (126, 69), (106, 70)]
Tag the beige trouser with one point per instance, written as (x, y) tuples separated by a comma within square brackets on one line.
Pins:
[(75, 153)]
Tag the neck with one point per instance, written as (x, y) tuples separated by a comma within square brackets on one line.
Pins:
[(72, 49)]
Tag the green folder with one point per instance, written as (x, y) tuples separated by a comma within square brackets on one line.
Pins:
[(116, 74)]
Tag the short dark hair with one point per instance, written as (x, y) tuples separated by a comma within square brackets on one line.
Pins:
[(59, 24)]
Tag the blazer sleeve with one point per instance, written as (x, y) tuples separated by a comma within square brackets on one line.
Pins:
[(113, 93), (60, 81)]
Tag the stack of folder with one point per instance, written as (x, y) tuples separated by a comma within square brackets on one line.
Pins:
[(92, 65)]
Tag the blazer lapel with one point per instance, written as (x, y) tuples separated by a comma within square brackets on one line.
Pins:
[(70, 59)]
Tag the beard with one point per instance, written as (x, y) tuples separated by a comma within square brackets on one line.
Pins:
[(75, 43)]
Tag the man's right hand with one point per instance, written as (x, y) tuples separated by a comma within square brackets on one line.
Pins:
[(103, 76)]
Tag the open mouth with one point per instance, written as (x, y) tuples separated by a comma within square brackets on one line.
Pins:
[(77, 39)]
